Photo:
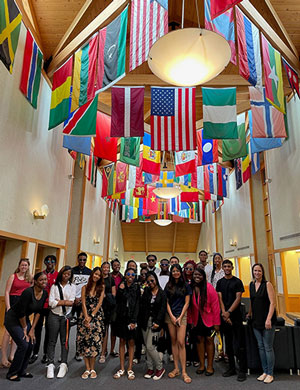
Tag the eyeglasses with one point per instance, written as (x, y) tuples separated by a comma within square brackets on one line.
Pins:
[(50, 261), (130, 274), (82, 259), (189, 269), (150, 281), (164, 265), (151, 260)]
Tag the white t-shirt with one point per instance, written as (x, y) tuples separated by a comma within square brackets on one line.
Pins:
[(69, 292), (163, 280)]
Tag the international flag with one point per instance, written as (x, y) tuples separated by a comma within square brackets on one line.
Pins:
[(10, 24), (210, 179), (219, 113), (127, 112), (234, 148), (260, 144), (198, 178), (149, 22), (121, 176), (91, 169), (246, 168), (249, 49), (149, 178), (268, 122), (217, 7), (31, 71), (207, 149), (255, 163), (223, 175), (60, 98), (140, 191), (175, 205), (135, 176), (273, 75), (238, 173), (190, 196), (185, 163), (105, 146), (152, 200), (177, 219), (82, 122), (222, 25), (130, 150), (173, 118), (292, 77), (201, 213), (185, 180), (151, 159), (112, 52), (129, 213), (78, 144), (84, 75), (107, 180), (166, 179)]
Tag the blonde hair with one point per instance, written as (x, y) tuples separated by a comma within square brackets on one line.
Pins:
[(27, 276)]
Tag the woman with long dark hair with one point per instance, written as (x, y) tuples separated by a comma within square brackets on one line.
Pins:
[(152, 314), (178, 298), (18, 325), (15, 285), (204, 316), (217, 272), (263, 315), (90, 327), (128, 298), (61, 299)]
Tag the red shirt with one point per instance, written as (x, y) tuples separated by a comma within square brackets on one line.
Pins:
[(117, 278), (18, 286), (51, 278)]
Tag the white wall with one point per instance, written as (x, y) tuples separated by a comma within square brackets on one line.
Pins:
[(283, 167), (207, 239), (236, 220), (93, 224), (12, 256), (33, 165)]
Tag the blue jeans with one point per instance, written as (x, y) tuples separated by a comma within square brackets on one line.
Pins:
[(265, 339)]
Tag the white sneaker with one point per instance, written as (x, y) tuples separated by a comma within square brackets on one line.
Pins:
[(63, 369), (171, 358), (50, 371)]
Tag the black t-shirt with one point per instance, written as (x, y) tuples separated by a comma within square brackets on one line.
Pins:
[(109, 283), (229, 288), (28, 304), (177, 299)]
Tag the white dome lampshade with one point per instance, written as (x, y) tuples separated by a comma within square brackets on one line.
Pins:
[(167, 192), (163, 222), (189, 56)]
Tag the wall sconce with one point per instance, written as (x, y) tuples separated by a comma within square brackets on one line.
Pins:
[(41, 215), (96, 241), (232, 243), (268, 181)]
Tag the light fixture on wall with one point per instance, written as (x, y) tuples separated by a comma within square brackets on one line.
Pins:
[(189, 56), (97, 241), (167, 192), (41, 214), (232, 243)]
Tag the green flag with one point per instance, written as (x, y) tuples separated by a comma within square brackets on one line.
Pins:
[(130, 151), (235, 148)]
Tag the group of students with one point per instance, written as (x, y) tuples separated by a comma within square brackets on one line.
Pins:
[(180, 309)]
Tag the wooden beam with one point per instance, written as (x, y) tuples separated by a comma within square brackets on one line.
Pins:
[(174, 239), (147, 115), (72, 26), (85, 34), (146, 239), (270, 34), (106, 109)]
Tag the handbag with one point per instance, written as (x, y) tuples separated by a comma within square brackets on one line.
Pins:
[(69, 317)]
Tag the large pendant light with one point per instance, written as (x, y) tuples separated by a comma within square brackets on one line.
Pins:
[(189, 56)]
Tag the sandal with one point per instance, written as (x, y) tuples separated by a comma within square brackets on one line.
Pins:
[(93, 374), (5, 365), (173, 373), (86, 374), (186, 378), (102, 359), (130, 375), (114, 354), (118, 374)]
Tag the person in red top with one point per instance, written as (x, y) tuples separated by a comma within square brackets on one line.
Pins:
[(15, 285), (51, 273), (117, 277)]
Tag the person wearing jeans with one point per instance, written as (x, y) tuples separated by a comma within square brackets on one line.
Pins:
[(263, 315), (152, 314)]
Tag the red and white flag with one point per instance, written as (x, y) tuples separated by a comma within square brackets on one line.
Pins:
[(173, 119), (127, 112), (149, 22), (292, 76)]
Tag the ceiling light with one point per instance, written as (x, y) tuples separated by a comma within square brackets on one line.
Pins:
[(167, 192), (189, 56), (163, 222)]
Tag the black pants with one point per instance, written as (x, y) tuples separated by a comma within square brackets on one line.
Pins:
[(57, 326), (38, 332), (76, 309), (235, 344), (24, 348)]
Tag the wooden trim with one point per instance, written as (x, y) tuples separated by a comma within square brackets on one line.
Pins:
[(292, 248), (284, 281), (174, 239), (69, 212), (270, 34), (34, 256), (2, 252), (86, 33), (26, 238), (69, 31), (84, 180), (253, 221), (24, 251), (146, 239), (57, 254)]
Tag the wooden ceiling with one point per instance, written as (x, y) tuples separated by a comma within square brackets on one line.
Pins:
[(60, 27)]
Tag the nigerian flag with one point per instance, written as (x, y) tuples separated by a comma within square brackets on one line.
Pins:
[(235, 148)]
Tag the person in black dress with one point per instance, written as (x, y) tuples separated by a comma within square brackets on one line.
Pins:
[(19, 327), (263, 315), (128, 298)]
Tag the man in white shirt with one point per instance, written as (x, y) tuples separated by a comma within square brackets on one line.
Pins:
[(203, 256), (151, 260), (164, 274)]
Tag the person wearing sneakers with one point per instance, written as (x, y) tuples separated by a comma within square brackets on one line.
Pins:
[(263, 315), (151, 319), (61, 299), (90, 328), (128, 299)]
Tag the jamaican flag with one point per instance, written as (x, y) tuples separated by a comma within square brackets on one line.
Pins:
[(10, 24)]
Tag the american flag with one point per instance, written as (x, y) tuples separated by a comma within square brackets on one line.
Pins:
[(149, 22), (173, 119)]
